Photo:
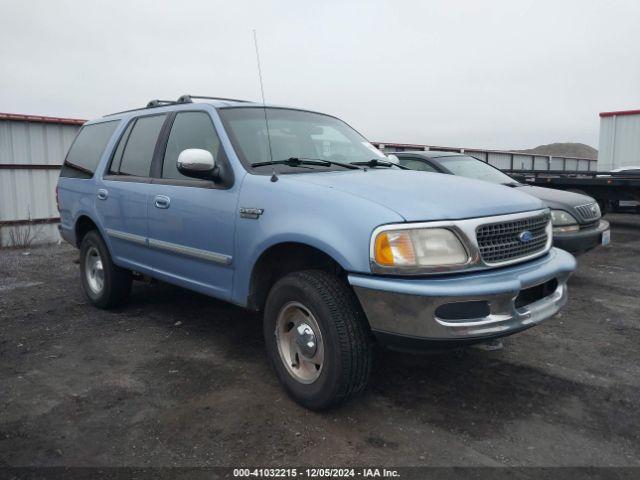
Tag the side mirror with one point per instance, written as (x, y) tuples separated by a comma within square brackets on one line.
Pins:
[(197, 163)]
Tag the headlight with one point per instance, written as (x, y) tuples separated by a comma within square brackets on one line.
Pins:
[(563, 221), (421, 247)]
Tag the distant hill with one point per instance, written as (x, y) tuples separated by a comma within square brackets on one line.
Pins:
[(566, 149)]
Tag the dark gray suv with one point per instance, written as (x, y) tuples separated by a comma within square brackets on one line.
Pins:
[(576, 218)]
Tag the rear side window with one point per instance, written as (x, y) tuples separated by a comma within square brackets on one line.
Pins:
[(87, 149), (140, 144), (189, 130)]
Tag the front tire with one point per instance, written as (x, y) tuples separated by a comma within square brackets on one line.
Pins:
[(317, 339), (104, 284)]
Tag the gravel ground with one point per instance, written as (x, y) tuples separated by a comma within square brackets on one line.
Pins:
[(176, 378)]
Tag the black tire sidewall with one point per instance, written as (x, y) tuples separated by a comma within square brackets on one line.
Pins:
[(319, 393)]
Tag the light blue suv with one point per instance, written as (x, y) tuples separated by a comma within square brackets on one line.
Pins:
[(295, 214)]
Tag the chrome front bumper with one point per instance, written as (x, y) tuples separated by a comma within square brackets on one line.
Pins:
[(407, 307)]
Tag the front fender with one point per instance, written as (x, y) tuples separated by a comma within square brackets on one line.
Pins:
[(332, 249), (336, 223)]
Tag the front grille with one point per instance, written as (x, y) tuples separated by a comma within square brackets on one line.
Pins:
[(500, 242), (588, 212)]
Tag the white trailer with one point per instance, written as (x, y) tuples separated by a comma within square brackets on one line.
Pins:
[(619, 146)]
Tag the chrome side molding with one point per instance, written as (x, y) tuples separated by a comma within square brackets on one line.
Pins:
[(214, 257), (130, 237), (190, 251)]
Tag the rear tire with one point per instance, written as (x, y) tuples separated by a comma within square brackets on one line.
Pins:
[(104, 284), (317, 339)]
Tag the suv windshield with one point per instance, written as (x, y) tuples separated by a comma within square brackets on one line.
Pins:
[(471, 167), (293, 134)]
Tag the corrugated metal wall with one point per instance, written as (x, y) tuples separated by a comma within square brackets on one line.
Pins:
[(619, 144), (31, 153)]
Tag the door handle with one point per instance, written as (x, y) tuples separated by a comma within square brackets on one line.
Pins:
[(102, 194), (162, 201)]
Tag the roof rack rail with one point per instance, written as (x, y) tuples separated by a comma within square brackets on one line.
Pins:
[(189, 99), (183, 99)]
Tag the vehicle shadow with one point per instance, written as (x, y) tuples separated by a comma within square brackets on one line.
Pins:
[(475, 392), (467, 391)]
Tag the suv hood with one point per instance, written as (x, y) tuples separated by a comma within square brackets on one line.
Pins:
[(424, 196)]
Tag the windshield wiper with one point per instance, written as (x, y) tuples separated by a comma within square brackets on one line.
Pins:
[(299, 162), (374, 162), (512, 184)]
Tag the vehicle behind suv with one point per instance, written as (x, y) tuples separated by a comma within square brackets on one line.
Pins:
[(296, 215), (577, 223)]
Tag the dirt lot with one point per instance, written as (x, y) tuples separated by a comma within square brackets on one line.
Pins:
[(176, 378)]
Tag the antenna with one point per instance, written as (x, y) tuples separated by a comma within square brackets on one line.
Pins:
[(264, 108)]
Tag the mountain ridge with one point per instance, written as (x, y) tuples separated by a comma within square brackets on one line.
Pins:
[(564, 149)]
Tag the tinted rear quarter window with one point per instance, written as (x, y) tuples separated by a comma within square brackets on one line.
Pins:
[(138, 152), (87, 149), (117, 156)]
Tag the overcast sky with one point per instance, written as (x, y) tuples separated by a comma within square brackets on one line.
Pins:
[(493, 74)]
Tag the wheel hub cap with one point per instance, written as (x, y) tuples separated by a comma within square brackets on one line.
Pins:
[(94, 270), (299, 341), (306, 340)]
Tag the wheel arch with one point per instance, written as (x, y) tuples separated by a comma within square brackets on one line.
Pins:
[(83, 225), (283, 258)]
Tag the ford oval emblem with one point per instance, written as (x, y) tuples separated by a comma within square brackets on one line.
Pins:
[(525, 236)]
